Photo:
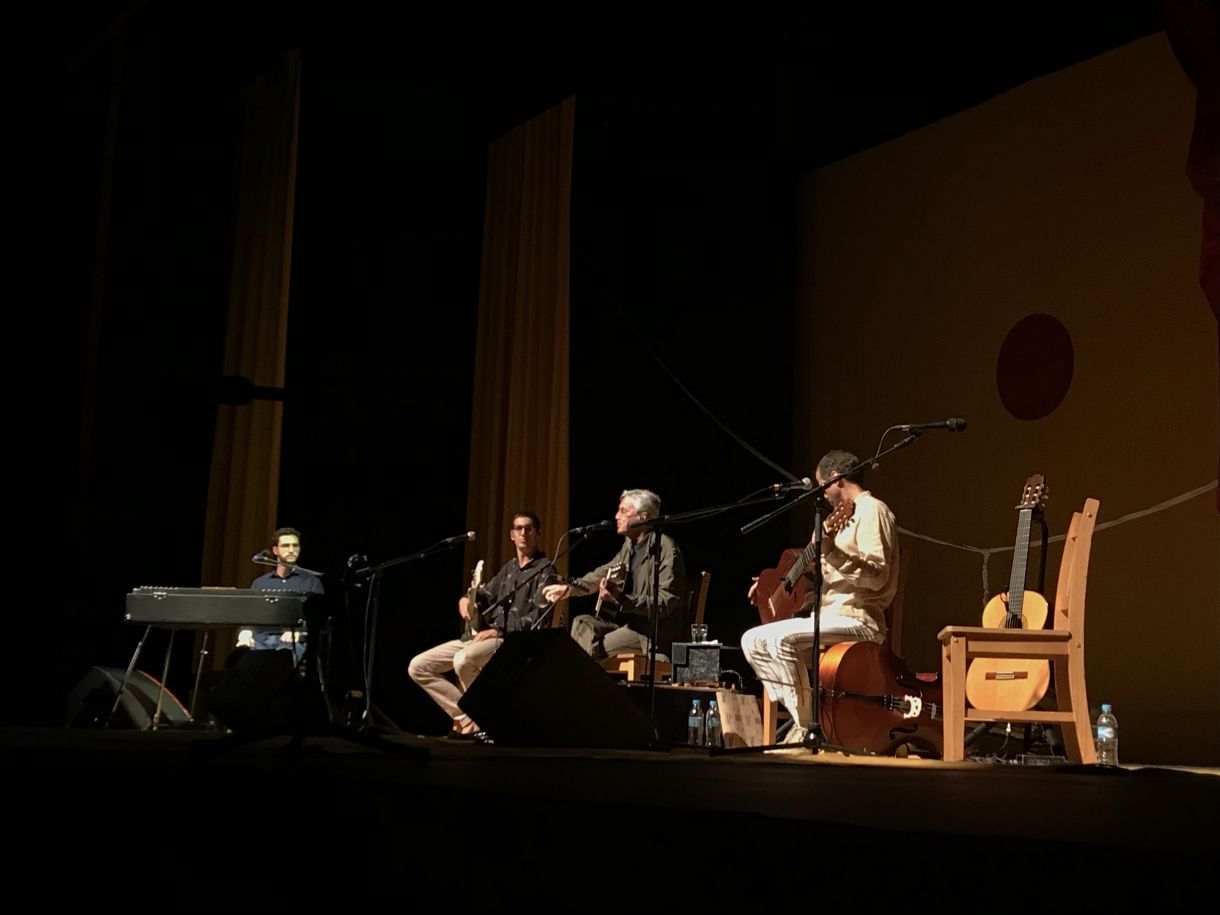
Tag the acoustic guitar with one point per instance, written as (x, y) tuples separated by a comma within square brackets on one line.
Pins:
[(475, 622), (618, 575), (1012, 684), (781, 591)]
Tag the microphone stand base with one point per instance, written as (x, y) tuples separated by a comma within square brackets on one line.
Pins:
[(815, 742)]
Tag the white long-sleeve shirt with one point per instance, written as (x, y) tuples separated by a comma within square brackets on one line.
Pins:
[(860, 575)]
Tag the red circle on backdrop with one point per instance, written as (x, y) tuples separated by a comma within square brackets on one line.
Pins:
[(1034, 369)]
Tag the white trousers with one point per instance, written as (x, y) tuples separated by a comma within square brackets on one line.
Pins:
[(781, 654)]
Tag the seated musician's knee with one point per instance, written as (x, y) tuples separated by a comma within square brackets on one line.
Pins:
[(464, 666), (752, 642), (417, 669)]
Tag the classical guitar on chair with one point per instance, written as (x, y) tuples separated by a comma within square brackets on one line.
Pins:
[(1010, 684)]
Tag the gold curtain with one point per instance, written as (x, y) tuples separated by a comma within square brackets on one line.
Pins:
[(519, 429), (243, 489)]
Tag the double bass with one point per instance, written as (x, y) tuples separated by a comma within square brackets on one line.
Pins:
[(870, 701)]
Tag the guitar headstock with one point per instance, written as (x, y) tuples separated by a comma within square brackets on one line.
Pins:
[(840, 515), (617, 573), (1035, 493), (477, 578)]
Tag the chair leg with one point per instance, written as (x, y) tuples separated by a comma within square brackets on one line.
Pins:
[(770, 713), (953, 669), (1077, 702)]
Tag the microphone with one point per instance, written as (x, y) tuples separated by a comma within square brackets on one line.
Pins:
[(469, 535), (590, 528), (263, 556), (804, 483), (953, 425)]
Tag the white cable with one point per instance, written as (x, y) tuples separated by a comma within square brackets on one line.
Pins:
[(986, 552)]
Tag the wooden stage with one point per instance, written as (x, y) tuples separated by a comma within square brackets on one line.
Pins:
[(406, 805)]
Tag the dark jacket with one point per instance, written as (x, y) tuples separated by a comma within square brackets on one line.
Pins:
[(638, 601)]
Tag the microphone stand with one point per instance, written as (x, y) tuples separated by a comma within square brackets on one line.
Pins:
[(814, 739), (583, 534), (506, 601), (654, 611), (372, 610), (274, 563), (654, 608)]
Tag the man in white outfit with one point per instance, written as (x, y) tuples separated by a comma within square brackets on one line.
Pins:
[(859, 582)]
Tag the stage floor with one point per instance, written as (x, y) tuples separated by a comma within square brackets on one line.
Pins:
[(410, 801)]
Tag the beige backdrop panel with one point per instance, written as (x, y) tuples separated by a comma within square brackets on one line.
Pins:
[(1064, 196)]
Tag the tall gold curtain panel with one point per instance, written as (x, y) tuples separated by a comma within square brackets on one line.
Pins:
[(242, 492), (519, 427)]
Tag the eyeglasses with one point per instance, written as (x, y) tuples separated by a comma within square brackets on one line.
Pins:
[(522, 528)]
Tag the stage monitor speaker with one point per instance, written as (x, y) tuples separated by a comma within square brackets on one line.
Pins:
[(91, 700), (541, 690)]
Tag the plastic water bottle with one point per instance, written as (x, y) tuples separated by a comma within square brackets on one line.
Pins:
[(711, 726), (694, 725), (1107, 737)]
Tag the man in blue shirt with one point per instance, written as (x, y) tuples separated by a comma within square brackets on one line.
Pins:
[(286, 576)]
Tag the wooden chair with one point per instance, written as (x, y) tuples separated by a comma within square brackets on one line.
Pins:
[(1063, 646), (635, 664)]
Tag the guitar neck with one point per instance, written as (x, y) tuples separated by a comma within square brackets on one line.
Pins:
[(834, 524), (798, 567), (475, 621), (1020, 561)]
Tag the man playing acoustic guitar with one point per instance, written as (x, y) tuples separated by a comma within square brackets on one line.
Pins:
[(626, 601), (859, 581)]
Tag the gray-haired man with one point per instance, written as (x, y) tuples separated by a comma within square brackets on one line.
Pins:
[(649, 584)]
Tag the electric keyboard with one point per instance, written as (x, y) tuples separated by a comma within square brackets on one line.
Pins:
[(201, 608)]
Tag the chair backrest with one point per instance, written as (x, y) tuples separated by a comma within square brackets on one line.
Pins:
[(1074, 570), (696, 597)]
